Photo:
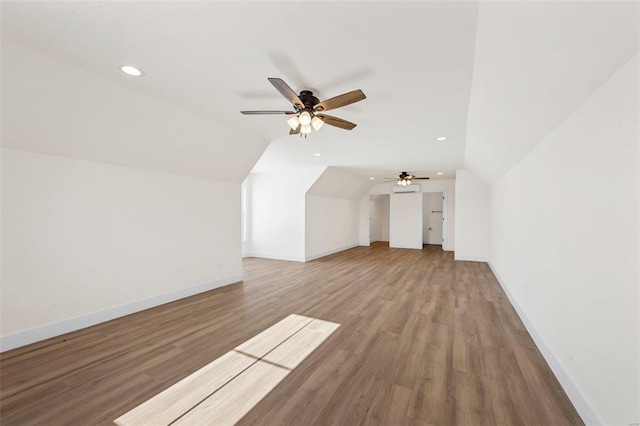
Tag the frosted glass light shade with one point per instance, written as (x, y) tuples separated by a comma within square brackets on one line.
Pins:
[(293, 122), (306, 129), (316, 122), (305, 118)]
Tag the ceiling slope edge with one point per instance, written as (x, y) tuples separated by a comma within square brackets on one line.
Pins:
[(526, 85), (54, 108)]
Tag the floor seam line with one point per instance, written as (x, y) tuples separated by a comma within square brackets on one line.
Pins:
[(245, 369)]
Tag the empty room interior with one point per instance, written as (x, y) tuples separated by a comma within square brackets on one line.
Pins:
[(346, 212)]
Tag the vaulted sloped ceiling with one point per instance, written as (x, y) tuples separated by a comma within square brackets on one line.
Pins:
[(338, 184), (535, 62), (69, 112), (494, 77)]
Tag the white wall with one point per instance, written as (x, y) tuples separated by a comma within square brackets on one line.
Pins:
[(432, 211), (301, 214), (331, 225), (405, 221), (472, 219), (246, 217), (564, 242), (332, 212), (363, 221), (447, 186), (84, 242), (277, 218)]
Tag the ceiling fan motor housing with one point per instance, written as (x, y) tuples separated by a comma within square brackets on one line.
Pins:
[(308, 99)]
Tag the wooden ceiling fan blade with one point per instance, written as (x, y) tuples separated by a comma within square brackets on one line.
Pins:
[(424, 178), (266, 112), (340, 100), (337, 122), (296, 131), (286, 91)]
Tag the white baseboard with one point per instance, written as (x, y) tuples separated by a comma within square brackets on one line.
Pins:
[(448, 248), (277, 257), (328, 252), (47, 331), (471, 258), (583, 407)]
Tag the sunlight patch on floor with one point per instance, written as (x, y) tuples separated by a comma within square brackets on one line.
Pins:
[(225, 390)]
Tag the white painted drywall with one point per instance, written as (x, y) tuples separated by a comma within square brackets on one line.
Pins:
[(58, 109), (472, 218), (303, 213), (564, 241), (534, 63), (332, 206), (336, 183), (331, 225), (363, 221), (246, 216), (277, 214), (445, 185), (432, 212), (405, 221), (80, 237)]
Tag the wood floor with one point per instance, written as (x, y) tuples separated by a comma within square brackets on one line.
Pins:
[(424, 340)]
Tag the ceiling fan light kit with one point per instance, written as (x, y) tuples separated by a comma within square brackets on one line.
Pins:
[(309, 111), (404, 179)]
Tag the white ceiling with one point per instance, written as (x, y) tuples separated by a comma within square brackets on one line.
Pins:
[(535, 62), (493, 77)]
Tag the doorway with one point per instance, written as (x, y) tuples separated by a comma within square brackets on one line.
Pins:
[(433, 218), (379, 217)]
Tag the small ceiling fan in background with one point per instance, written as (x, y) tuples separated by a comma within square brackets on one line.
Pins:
[(404, 179), (309, 111)]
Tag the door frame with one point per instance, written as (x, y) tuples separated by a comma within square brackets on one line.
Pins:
[(445, 214), (445, 219), (367, 238)]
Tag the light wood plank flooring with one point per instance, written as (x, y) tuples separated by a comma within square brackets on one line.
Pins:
[(424, 340)]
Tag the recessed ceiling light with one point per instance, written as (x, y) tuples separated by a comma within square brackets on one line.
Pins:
[(130, 70), (441, 138), (318, 154), (371, 178), (439, 173)]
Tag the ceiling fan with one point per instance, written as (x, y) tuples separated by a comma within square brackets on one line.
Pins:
[(404, 178), (309, 111)]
